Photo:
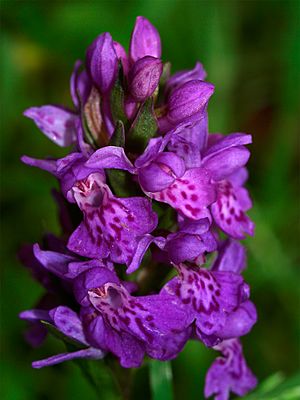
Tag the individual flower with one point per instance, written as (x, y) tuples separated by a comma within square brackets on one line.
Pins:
[(68, 323), (112, 227), (229, 373)]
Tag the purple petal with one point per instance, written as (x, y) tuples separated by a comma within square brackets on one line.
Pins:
[(161, 173), (229, 211), (189, 194), (47, 165), (226, 142), (56, 123), (121, 54), (186, 247), (239, 177), (89, 353), (181, 77), (240, 322), (229, 373), (231, 257), (110, 157), (102, 62), (57, 263), (141, 249), (189, 140), (35, 315), (80, 85), (145, 40), (86, 244), (155, 146), (92, 279), (126, 347), (189, 99), (144, 77), (68, 322), (225, 163)]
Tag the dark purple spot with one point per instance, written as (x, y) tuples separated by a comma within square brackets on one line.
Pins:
[(194, 197), (211, 287), (183, 194), (191, 187)]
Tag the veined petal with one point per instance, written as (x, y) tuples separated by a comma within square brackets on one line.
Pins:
[(231, 257), (226, 142), (229, 211), (89, 353), (145, 40), (110, 157), (226, 162), (189, 194), (229, 373), (55, 122)]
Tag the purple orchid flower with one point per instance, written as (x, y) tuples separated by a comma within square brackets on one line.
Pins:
[(68, 323), (229, 373), (195, 183), (216, 302), (112, 227), (115, 319), (163, 177)]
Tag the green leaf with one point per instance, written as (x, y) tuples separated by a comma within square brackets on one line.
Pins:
[(118, 137), (276, 387), (143, 128), (117, 97), (161, 380), (122, 183)]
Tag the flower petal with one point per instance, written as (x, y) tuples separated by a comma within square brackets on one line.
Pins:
[(145, 40), (189, 194), (55, 122), (229, 373)]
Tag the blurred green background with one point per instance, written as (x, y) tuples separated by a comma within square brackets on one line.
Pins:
[(251, 52)]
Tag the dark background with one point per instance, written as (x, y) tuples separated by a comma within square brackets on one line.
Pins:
[(250, 50)]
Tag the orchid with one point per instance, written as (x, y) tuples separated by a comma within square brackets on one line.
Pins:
[(144, 266)]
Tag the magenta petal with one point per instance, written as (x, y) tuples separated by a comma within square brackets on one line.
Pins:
[(47, 165), (144, 77), (121, 54), (189, 99), (102, 62), (186, 247), (225, 163), (141, 248), (239, 322), (181, 77), (87, 244), (55, 122), (92, 279), (35, 315), (229, 373), (153, 178), (68, 322), (145, 40), (89, 353), (80, 85), (231, 257), (57, 263), (189, 194), (110, 157), (226, 142), (229, 211)]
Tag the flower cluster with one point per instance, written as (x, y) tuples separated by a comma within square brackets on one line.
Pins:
[(146, 195)]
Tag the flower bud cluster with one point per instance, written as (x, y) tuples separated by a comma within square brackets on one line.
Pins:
[(146, 194)]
